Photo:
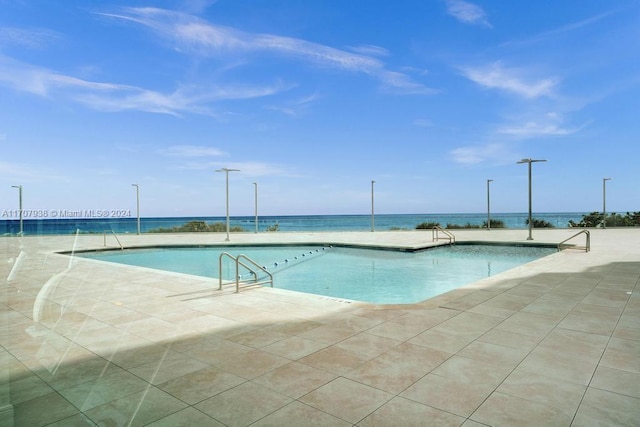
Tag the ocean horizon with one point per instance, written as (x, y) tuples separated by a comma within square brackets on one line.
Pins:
[(285, 223)]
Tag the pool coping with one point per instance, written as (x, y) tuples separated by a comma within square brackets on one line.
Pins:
[(458, 292)]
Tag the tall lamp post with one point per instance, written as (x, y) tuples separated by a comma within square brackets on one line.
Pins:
[(489, 205), (372, 215), (529, 161), (19, 187), (226, 171), (256, 203), (137, 206), (604, 201)]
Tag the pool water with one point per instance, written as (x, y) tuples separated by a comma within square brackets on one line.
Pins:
[(370, 275)]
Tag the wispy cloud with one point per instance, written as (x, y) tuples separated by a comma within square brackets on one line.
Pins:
[(256, 169), (512, 80), (495, 152), (202, 157), (574, 26), (191, 34), (25, 172), (423, 122), (197, 6), (295, 107), (551, 124), (370, 50), (113, 97), (196, 36), (402, 84), (248, 168), (26, 38), (191, 151), (468, 13)]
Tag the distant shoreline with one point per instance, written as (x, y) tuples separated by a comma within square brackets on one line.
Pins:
[(349, 222)]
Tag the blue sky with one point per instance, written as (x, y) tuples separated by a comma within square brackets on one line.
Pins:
[(315, 99)]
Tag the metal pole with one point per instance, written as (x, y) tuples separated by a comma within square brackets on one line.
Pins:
[(256, 203), (372, 206), (19, 187), (488, 205), (227, 203), (529, 161), (137, 206), (530, 204), (226, 171), (604, 202)]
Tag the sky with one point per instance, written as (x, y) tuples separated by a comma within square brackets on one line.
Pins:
[(313, 100)]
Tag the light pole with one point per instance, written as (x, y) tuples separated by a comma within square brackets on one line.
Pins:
[(137, 205), (529, 161), (372, 216), (604, 201), (256, 203), (226, 171), (488, 205), (19, 187)]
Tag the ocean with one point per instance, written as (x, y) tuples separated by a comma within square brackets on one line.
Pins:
[(299, 223)]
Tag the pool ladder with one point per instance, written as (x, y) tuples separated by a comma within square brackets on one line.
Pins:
[(254, 271), (448, 235), (587, 246), (104, 238)]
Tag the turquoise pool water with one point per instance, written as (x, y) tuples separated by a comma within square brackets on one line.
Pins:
[(369, 275)]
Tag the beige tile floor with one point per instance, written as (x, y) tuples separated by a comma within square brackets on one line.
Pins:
[(555, 342)]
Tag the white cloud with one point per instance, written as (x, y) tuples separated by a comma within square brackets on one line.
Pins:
[(114, 97), (536, 125), (26, 38), (192, 34), (370, 50), (468, 13), (199, 157), (472, 155), (191, 151), (296, 107), (512, 80), (402, 84), (579, 25), (248, 168), (423, 122), (24, 172), (255, 169), (551, 125)]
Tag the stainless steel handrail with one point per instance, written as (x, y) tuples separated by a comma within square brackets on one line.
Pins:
[(239, 263), (435, 236), (223, 254), (114, 235), (586, 247)]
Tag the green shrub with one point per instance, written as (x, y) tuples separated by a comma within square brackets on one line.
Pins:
[(539, 223), (198, 227), (495, 223), (427, 225), (467, 225), (594, 219)]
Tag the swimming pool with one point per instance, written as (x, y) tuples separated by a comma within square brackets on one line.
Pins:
[(378, 276)]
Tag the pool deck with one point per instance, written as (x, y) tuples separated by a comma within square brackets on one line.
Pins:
[(555, 342)]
